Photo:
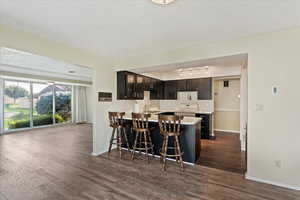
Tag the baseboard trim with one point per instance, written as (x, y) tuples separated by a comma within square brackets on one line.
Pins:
[(98, 153), (229, 131), (272, 183)]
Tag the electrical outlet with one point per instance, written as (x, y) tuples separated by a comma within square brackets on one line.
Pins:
[(278, 163)]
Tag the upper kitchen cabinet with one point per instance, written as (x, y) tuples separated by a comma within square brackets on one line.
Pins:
[(182, 85), (170, 90), (121, 85), (203, 86), (139, 87), (129, 86), (158, 90)]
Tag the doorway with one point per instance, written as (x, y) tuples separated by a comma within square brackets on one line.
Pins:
[(225, 152)]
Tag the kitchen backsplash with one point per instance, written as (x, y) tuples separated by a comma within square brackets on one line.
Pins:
[(162, 105), (175, 105), (195, 106)]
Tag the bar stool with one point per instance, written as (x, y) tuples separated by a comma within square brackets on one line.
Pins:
[(117, 123), (143, 140), (170, 127)]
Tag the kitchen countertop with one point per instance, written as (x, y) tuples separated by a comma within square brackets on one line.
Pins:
[(154, 118), (177, 111), (204, 112)]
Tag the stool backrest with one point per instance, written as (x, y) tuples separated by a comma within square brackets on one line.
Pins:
[(170, 124), (140, 121), (116, 118)]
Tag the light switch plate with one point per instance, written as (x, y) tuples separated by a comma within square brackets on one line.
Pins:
[(274, 90), (259, 107)]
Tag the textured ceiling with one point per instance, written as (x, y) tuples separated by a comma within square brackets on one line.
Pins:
[(133, 27)]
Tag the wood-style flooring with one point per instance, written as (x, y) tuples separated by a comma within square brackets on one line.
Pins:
[(55, 164), (223, 153)]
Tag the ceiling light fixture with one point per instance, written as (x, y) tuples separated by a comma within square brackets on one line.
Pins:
[(162, 2)]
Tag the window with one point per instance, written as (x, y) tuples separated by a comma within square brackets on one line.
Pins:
[(17, 104), (63, 95), (42, 104), (32, 104)]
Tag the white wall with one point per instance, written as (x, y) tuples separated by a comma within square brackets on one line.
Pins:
[(273, 59), (227, 105), (90, 104), (244, 106)]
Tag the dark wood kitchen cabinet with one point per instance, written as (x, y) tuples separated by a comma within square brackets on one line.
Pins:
[(202, 85), (170, 90), (157, 92), (131, 86), (205, 125), (182, 85), (139, 87), (121, 85)]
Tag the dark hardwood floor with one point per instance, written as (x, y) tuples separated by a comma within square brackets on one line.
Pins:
[(223, 153), (55, 164)]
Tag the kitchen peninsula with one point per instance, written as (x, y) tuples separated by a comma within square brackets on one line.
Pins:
[(190, 136)]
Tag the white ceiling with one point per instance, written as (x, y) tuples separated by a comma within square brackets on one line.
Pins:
[(22, 62), (225, 61), (212, 67), (132, 27)]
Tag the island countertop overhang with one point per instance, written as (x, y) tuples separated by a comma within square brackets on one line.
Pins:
[(154, 118)]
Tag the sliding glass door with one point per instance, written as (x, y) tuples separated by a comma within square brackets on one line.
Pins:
[(33, 104), (63, 108), (42, 104), (17, 105)]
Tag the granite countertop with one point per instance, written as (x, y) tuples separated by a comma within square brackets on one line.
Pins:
[(154, 118)]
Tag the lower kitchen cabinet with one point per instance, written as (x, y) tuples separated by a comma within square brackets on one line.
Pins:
[(205, 125)]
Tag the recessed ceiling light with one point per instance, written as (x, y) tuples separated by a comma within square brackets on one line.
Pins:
[(72, 71), (162, 2)]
